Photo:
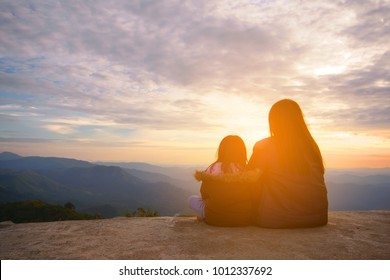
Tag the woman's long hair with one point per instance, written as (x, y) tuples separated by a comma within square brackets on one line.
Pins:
[(295, 145), (232, 150)]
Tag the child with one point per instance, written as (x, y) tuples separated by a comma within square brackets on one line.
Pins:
[(227, 187)]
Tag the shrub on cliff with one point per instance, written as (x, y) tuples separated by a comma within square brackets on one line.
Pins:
[(38, 211), (141, 212)]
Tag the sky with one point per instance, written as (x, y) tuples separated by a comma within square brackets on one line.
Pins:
[(164, 81)]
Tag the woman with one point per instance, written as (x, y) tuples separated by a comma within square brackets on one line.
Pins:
[(227, 187), (292, 187)]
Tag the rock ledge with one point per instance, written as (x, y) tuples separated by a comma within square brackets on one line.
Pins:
[(348, 235)]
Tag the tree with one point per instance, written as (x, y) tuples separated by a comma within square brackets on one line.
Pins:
[(70, 205), (141, 212)]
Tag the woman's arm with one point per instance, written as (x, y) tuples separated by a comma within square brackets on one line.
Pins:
[(203, 191)]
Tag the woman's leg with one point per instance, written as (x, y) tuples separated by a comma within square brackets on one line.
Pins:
[(196, 203)]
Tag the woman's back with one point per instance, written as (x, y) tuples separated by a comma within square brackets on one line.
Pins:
[(288, 198)]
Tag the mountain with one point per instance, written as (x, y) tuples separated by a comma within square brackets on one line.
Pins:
[(18, 185), (42, 163), (187, 183), (111, 190), (175, 172), (343, 197), (350, 191), (8, 156), (104, 210), (358, 171), (180, 176), (116, 187), (108, 190)]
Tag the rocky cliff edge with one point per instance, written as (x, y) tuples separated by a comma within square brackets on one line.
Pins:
[(348, 235)]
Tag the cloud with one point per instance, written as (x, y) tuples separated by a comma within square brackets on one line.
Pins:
[(27, 140), (373, 22), (61, 129), (366, 91), (131, 68), (167, 41)]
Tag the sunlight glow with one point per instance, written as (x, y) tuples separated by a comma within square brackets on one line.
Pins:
[(329, 70)]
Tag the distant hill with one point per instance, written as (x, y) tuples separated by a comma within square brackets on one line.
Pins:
[(104, 211), (344, 197), (175, 172), (358, 171), (180, 176), (111, 189), (350, 191), (116, 187), (187, 183), (8, 156), (108, 190), (17, 185), (41, 163)]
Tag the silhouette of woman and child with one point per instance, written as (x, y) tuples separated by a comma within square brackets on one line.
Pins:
[(282, 185)]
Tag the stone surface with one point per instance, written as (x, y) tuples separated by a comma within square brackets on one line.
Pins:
[(348, 235)]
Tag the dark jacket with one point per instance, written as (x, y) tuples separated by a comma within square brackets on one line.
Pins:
[(287, 200), (228, 197)]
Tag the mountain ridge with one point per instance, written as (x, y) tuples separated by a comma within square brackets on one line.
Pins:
[(88, 186), (8, 156), (118, 189)]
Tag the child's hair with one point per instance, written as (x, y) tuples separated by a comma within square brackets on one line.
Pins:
[(232, 150)]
